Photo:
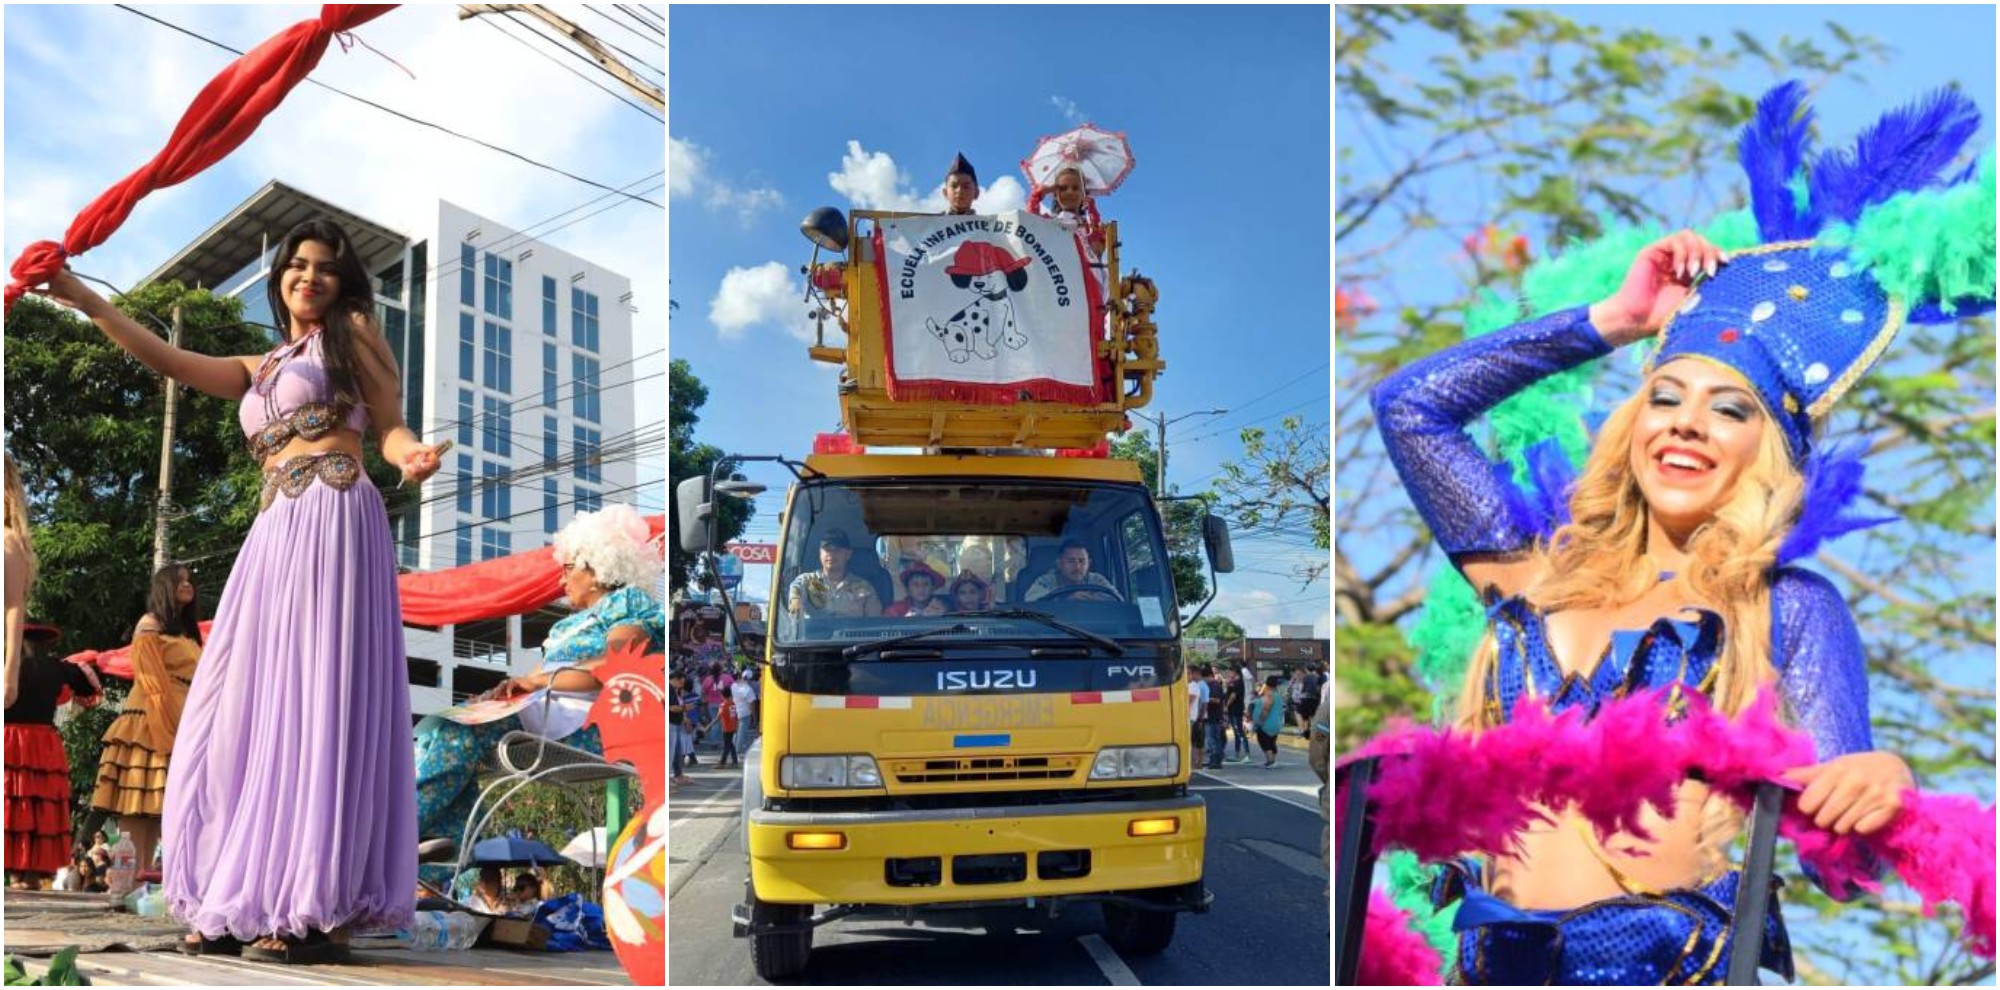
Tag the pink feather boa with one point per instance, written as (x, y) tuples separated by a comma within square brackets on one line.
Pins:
[(1612, 766), (1393, 955)]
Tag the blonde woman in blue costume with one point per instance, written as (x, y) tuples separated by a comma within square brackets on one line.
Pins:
[(1673, 569)]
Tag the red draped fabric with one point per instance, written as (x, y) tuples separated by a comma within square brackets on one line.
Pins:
[(490, 589), (225, 113)]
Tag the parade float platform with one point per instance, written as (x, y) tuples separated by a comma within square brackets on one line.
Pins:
[(121, 949)]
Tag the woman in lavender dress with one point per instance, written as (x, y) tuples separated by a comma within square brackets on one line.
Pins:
[(289, 814)]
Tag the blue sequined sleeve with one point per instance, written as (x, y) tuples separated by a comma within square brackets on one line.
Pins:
[(1822, 672), (1422, 411)]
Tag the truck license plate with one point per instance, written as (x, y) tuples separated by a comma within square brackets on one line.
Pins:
[(989, 713)]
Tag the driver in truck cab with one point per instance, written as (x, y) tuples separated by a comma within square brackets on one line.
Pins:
[(833, 590), (1072, 570)]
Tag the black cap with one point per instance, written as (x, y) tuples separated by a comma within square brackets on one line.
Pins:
[(960, 165), (835, 538)]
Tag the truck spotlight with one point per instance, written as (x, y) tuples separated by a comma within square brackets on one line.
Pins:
[(826, 227), (1142, 827)]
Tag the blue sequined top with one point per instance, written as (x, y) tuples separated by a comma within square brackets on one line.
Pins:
[(581, 636), (1422, 411)]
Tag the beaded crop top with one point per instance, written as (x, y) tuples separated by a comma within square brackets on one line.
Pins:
[(1422, 411), (290, 397)]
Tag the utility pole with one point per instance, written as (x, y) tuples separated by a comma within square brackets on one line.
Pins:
[(1160, 423), (163, 507), (583, 39)]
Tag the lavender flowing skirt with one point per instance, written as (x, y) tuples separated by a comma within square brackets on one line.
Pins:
[(291, 801)]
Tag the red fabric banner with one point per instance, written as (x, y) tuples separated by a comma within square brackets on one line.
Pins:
[(490, 589), (222, 117)]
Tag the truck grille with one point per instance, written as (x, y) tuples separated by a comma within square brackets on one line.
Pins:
[(984, 769)]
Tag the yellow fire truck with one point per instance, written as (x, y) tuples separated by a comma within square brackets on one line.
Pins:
[(1020, 738)]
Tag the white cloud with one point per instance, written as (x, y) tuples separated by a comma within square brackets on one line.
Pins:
[(871, 180), (1068, 108), (690, 174), (1323, 626), (762, 296), (1006, 193)]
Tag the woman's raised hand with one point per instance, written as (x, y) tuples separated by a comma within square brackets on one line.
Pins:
[(421, 462), (67, 289), (1655, 286)]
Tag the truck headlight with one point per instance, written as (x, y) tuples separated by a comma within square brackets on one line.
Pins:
[(1127, 762), (831, 772)]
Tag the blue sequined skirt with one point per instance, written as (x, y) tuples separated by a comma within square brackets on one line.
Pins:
[(1679, 938)]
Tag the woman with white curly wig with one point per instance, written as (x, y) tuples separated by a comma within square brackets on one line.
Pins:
[(607, 565)]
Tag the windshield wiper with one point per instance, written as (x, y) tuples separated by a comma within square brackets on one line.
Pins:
[(877, 646), (1110, 645)]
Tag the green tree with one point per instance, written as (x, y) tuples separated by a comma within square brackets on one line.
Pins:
[(1528, 125), (84, 422), (1217, 627), (1279, 487), (1180, 517), (688, 458)]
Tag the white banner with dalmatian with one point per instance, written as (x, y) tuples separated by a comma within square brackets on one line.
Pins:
[(989, 309)]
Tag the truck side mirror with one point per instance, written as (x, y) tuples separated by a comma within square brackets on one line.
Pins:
[(1215, 540), (693, 511)]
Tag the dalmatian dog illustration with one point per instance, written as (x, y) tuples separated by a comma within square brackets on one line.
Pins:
[(990, 273)]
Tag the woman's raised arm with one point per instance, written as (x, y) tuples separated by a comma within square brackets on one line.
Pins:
[(222, 377)]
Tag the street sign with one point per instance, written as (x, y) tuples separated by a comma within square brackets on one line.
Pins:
[(754, 553)]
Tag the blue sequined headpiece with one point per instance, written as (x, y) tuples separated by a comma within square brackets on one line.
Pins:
[(1803, 316)]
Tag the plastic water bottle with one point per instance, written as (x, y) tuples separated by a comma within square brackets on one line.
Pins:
[(124, 866)]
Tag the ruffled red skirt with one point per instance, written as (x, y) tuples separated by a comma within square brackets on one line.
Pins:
[(37, 792)]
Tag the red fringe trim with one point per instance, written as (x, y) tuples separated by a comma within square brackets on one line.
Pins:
[(1036, 390)]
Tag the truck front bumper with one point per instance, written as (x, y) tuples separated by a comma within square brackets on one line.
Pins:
[(980, 855)]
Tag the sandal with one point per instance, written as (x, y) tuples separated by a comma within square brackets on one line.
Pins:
[(202, 945), (311, 950)]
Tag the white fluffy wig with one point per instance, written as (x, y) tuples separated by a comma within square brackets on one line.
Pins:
[(613, 543)]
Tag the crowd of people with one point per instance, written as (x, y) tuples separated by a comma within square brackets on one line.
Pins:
[(1226, 708)]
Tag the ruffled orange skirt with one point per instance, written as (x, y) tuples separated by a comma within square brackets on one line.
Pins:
[(131, 777)]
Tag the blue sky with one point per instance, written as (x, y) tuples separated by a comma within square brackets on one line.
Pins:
[(92, 92), (774, 111)]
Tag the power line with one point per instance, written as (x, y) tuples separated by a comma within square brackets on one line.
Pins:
[(645, 16), (561, 387), (628, 29), (399, 114), (452, 264), (1239, 407), (531, 47), (542, 30)]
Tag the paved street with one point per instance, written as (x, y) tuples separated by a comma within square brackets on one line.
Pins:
[(1268, 927)]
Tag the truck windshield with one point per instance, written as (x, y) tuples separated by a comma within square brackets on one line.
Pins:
[(864, 562)]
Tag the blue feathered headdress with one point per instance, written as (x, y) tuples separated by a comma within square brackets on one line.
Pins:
[(1809, 311)]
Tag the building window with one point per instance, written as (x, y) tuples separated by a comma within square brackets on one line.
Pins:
[(587, 468), (499, 287), (548, 307), (549, 496), (583, 388), (588, 501), (465, 418), (465, 484), (548, 440), (389, 281), (494, 542), (499, 358), (415, 385), (583, 319), (468, 267), (549, 375), (466, 348), (497, 431), (464, 546), (495, 496)]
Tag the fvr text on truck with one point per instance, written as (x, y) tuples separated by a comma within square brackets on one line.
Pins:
[(1009, 743)]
